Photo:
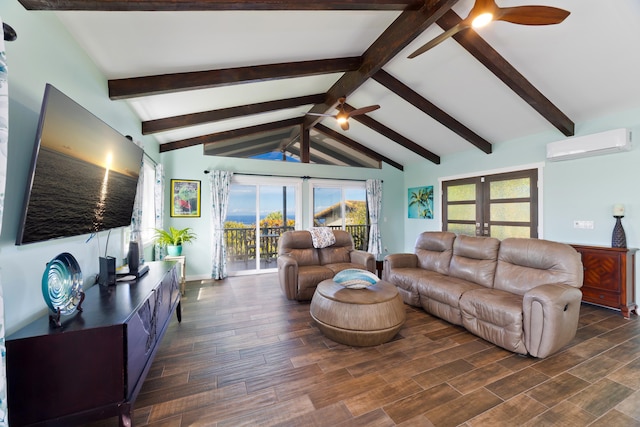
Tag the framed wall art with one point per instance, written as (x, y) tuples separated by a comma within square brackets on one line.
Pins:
[(420, 202), (185, 198)]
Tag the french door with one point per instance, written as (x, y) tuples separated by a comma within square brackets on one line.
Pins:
[(501, 205), (258, 213)]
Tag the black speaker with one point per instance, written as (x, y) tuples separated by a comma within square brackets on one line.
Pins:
[(107, 275), (133, 258)]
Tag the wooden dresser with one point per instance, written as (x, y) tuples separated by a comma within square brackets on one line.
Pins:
[(94, 365), (609, 277)]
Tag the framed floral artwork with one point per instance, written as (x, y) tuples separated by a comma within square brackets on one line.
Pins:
[(185, 198), (420, 202)]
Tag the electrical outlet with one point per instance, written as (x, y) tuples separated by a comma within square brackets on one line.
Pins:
[(588, 225), (385, 249)]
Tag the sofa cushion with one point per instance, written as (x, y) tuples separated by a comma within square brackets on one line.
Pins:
[(524, 264), (475, 259), (406, 279), (440, 295), (334, 254), (305, 256), (434, 249), (496, 316), (308, 278)]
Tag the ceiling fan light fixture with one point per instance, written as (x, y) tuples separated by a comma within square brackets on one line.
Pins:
[(341, 119), (482, 20)]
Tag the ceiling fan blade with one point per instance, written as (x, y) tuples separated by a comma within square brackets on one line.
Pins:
[(345, 125), (363, 110), (532, 15), (321, 115), (462, 25)]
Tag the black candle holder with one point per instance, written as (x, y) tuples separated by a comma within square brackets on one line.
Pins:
[(618, 238)]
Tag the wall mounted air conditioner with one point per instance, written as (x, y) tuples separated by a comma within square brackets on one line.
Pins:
[(611, 141)]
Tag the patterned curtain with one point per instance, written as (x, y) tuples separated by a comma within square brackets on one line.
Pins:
[(4, 142), (136, 218), (374, 203), (158, 195), (220, 186)]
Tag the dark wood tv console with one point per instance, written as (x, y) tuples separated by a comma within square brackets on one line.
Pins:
[(94, 365)]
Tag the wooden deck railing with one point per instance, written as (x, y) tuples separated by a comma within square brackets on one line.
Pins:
[(241, 242)]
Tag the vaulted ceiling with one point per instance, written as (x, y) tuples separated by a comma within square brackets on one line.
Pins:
[(238, 77)]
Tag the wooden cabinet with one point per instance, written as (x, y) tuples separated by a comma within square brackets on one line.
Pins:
[(609, 277), (94, 365)]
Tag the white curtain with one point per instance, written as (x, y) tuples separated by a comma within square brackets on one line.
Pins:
[(136, 218), (159, 250), (374, 203), (4, 142), (220, 183)]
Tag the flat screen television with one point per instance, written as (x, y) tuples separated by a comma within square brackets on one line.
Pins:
[(84, 174)]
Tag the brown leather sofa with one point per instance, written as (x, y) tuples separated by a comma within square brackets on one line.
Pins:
[(301, 266), (520, 294)]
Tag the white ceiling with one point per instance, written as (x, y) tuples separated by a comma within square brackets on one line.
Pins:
[(587, 66)]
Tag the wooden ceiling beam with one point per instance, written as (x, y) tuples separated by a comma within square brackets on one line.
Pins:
[(499, 66), (230, 134), (177, 122), (358, 162), (415, 99), (169, 83), (409, 25), (356, 145), (393, 135), (205, 5), (305, 145)]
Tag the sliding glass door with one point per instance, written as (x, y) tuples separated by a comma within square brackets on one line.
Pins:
[(260, 210)]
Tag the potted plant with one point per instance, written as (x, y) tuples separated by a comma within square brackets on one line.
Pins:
[(174, 238)]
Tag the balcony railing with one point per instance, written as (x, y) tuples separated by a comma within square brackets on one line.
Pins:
[(242, 245)]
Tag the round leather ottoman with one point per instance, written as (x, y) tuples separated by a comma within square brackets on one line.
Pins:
[(358, 317)]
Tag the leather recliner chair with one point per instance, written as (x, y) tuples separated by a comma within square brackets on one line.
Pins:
[(301, 266)]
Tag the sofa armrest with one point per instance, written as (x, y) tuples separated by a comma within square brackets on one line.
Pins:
[(398, 261), (288, 275), (401, 261), (363, 258), (550, 317)]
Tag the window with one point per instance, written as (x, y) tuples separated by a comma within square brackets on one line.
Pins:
[(148, 202), (501, 205), (342, 205)]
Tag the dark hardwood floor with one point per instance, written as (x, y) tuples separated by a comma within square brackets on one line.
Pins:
[(244, 355)]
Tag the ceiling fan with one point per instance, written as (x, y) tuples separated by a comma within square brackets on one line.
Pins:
[(485, 11), (343, 116)]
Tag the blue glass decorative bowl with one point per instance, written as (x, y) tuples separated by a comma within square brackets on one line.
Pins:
[(353, 278), (62, 284)]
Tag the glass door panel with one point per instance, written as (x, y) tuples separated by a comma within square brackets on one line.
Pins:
[(273, 201), (327, 207), (256, 217), (343, 207), (461, 215), (240, 228)]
